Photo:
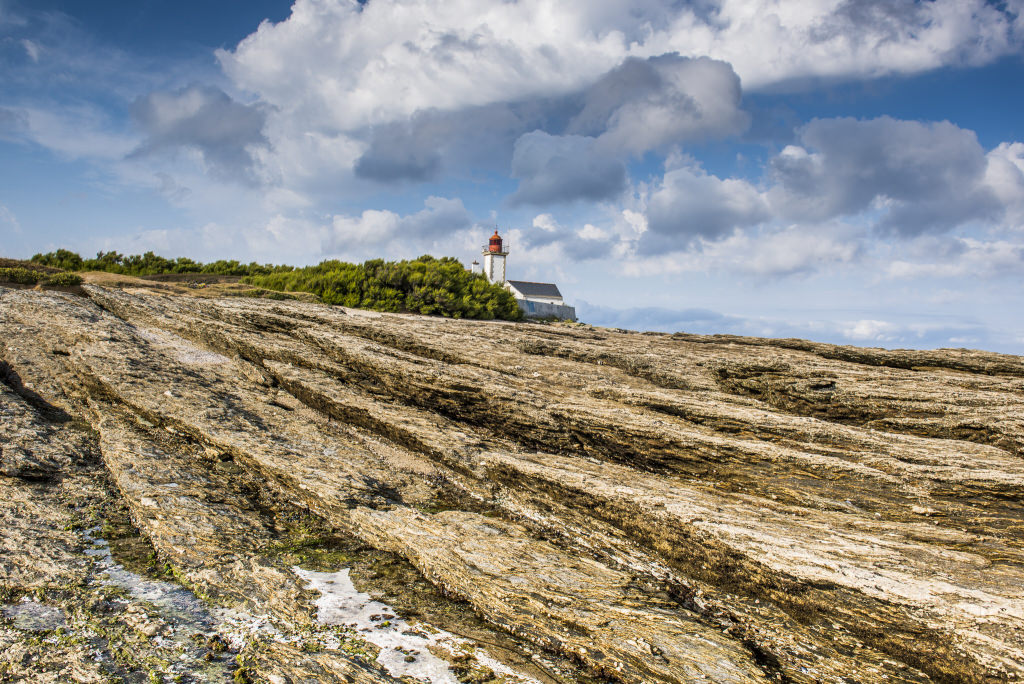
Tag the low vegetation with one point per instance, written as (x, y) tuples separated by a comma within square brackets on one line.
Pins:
[(150, 264), (25, 276), (425, 285)]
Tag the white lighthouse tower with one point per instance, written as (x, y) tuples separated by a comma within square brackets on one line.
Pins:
[(535, 300), (494, 260)]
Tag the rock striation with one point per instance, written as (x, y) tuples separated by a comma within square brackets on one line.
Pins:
[(577, 504)]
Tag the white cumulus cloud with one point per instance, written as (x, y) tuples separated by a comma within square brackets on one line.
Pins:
[(440, 218), (414, 90), (1004, 175), (963, 257), (346, 64), (929, 175), (563, 168), (206, 119), (690, 203)]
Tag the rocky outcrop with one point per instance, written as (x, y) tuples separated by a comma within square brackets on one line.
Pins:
[(581, 504)]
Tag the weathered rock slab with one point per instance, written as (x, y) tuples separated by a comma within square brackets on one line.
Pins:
[(659, 508)]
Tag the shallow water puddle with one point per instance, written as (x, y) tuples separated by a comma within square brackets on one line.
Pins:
[(34, 617), (405, 649), (179, 617), (179, 605)]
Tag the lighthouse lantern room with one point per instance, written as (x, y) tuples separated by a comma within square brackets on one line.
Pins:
[(494, 259)]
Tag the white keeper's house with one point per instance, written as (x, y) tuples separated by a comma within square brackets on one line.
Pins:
[(537, 300)]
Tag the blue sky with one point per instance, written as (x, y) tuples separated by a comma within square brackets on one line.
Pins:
[(841, 170)]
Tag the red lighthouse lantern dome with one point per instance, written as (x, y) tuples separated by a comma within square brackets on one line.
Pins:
[(495, 243)]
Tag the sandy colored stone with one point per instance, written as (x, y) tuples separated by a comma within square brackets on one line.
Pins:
[(566, 602), (664, 507)]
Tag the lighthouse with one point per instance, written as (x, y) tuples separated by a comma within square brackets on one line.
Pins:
[(494, 259), (536, 300)]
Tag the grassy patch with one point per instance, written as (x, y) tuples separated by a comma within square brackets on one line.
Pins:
[(28, 276), (260, 293), (21, 276), (63, 279)]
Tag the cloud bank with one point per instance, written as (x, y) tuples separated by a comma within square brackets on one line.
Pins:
[(610, 136)]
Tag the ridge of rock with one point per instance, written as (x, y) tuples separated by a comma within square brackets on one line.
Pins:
[(606, 505)]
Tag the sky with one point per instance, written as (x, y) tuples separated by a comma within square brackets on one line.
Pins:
[(846, 171)]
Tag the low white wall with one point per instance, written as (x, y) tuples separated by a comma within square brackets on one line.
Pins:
[(544, 310)]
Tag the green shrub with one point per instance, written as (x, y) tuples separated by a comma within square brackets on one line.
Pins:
[(63, 279), (150, 264), (62, 259), (438, 287), (22, 276)]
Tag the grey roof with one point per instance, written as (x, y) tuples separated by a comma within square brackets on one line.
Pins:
[(535, 289)]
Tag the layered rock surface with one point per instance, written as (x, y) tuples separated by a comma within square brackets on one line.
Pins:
[(581, 504)]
